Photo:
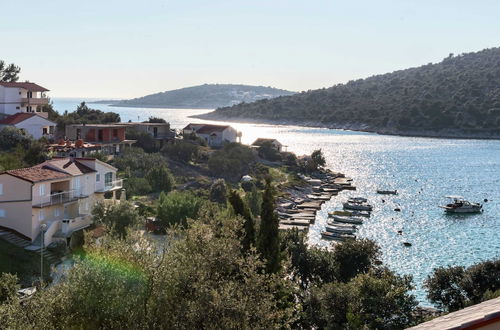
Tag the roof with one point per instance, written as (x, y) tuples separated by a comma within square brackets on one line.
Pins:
[(209, 129), (145, 124), (261, 141), (20, 117), (113, 125), (193, 124), (473, 317), (56, 168), (26, 85)]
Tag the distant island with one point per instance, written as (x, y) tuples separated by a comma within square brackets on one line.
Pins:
[(458, 97), (207, 96)]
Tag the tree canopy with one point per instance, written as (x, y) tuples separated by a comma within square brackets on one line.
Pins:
[(9, 73)]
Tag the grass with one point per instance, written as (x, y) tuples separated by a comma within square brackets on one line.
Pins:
[(24, 264)]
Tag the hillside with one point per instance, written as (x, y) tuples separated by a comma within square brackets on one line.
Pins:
[(205, 96), (458, 97)]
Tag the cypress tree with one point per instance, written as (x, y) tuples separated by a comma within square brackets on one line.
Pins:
[(268, 240), (240, 208)]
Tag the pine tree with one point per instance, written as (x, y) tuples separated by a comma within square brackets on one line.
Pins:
[(268, 240), (241, 208)]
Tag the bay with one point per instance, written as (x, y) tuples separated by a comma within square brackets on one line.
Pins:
[(423, 170)]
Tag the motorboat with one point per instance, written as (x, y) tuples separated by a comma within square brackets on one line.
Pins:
[(337, 230), (352, 213), (337, 237), (387, 192), (351, 220), (357, 206), (460, 205), (341, 224), (357, 200)]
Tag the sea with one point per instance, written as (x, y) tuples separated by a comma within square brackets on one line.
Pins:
[(422, 170)]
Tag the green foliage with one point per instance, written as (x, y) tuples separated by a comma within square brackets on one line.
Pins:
[(144, 139), (181, 150), (268, 242), (118, 218), (9, 73), (137, 186), (176, 207), (318, 158), (153, 119), (11, 137), (355, 257), (8, 287), (160, 179), (267, 151), (254, 201), (231, 162), (86, 115), (240, 208), (455, 287), (459, 93), (218, 191), (137, 163)]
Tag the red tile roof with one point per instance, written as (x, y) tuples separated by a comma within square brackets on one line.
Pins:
[(56, 168), (17, 118), (26, 85)]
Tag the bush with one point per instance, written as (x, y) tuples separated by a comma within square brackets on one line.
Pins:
[(117, 218), (218, 191), (137, 162), (267, 151), (176, 207), (247, 185), (181, 151), (11, 137), (231, 162), (137, 186), (144, 139), (160, 179), (254, 201)]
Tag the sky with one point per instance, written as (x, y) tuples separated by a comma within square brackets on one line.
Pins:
[(126, 49)]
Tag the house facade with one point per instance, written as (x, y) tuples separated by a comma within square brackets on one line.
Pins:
[(111, 137), (32, 123), (74, 149), (22, 97), (274, 143), (59, 194), (160, 132), (215, 135)]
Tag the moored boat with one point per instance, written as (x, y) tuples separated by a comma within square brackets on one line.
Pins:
[(352, 213), (460, 205), (337, 237), (387, 192), (358, 200), (352, 220), (339, 230), (358, 207)]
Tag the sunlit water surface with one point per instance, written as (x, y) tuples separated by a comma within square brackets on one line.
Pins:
[(423, 170)]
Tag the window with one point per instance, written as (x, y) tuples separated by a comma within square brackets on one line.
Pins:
[(108, 179), (17, 108), (115, 133), (2, 213), (98, 177), (57, 212), (41, 190), (41, 215), (1, 188)]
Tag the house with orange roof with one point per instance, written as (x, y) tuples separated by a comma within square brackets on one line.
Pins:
[(22, 97), (58, 194), (31, 123)]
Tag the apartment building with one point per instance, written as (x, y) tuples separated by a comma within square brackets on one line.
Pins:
[(22, 97), (111, 136), (59, 193)]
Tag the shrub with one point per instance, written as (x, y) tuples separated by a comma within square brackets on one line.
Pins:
[(231, 162), (181, 151), (11, 136), (137, 186), (118, 218), (144, 139), (160, 179), (176, 207), (218, 191)]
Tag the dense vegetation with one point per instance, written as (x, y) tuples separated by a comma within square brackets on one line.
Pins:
[(205, 96), (82, 115), (459, 96), (9, 73)]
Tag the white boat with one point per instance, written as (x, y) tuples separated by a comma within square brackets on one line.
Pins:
[(357, 200), (338, 230), (341, 224), (352, 220), (460, 205), (358, 207), (352, 213), (337, 237), (387, 192)]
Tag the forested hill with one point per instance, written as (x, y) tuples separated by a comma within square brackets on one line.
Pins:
[(205, 96), (458, 97)]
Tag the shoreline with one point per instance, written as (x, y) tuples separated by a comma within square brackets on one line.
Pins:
[(348, 127)]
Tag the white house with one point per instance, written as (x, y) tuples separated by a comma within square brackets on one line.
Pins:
[(214, 135), (22, 97), (59, 194), (31, 123), (273, 142)]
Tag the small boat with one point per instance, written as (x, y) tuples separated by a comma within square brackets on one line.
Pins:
[(337, 237), (357, 200), (350, 213), (340, 228), (460, 205), (387, 192), (358, 207), (352, 220), (407, 244)]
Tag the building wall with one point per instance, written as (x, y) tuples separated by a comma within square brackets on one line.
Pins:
[(10, 100), (35, 126), (229, 134), (15, 204)]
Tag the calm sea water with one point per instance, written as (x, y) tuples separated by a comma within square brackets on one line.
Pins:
[(423, 170)]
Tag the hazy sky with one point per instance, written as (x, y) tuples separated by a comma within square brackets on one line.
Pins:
[(125, 48)]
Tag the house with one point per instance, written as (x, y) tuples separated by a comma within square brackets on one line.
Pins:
[(161, 132), (214, 135), (111, 136), (58, 193), (22, 97), (275, 143), (485, 315), (75, 149), (31, 123)]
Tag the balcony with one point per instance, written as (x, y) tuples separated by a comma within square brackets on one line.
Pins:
[(60, 198), (111, 185), (34, 101)]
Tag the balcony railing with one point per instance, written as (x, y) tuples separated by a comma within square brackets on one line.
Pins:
[(34, 101), (60, 198), (111, 185), (70, 225)]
